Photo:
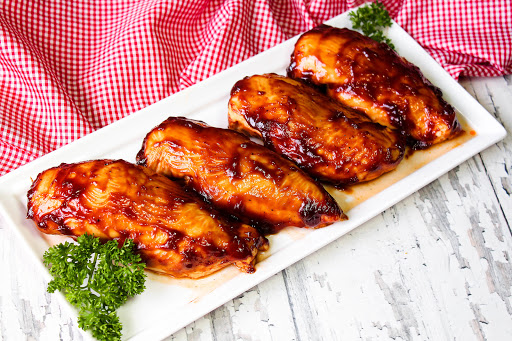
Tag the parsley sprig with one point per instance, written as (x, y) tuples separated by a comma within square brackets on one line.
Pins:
[(371, 19), (97, 279)]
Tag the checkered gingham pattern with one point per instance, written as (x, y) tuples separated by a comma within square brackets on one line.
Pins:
[(68, 68)]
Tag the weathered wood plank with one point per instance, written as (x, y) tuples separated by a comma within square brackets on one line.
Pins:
[(495, 94), (27, 311)]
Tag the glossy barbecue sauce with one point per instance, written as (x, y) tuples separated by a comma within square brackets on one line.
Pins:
[(235, 159), (376, 67), (72, 182), (346, 143)]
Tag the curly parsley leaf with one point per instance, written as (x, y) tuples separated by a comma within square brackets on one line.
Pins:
[(371, 19), (97, 279)]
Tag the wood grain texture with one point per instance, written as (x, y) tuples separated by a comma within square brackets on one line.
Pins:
[(436, 266)]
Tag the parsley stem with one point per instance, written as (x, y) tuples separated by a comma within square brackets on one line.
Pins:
[(91, 270)]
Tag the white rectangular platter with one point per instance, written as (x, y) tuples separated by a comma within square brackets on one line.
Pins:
[(169, 304)]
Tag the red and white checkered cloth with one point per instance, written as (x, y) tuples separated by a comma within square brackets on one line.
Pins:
[(68, 68)]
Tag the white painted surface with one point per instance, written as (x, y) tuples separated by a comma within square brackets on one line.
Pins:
[(436, 266)]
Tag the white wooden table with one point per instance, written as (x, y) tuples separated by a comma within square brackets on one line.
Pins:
[(436, 266)]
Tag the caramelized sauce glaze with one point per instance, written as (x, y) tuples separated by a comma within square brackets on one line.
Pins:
[(238, 176), (371, 77), (328, 140), (174, 231)]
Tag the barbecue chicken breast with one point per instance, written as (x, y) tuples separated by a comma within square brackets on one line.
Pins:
[(175, 232), (370, 76), (238, 176), (331, 142)]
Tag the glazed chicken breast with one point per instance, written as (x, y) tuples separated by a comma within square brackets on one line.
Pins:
[(175, 232), (238, 176), (370, 76), (329, 141)]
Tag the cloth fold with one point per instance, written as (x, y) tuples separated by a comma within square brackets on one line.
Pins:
[(69, 68)]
